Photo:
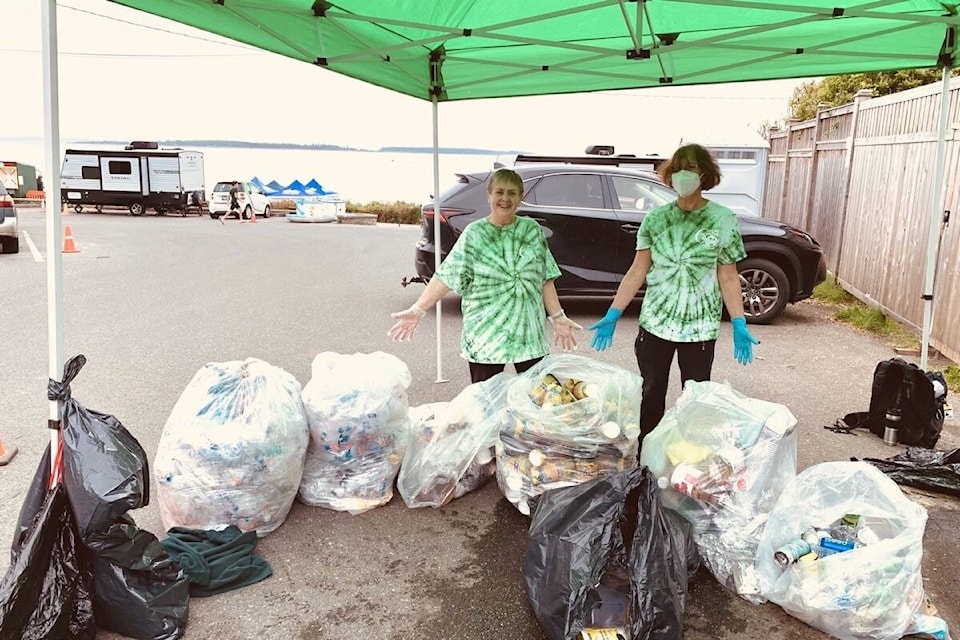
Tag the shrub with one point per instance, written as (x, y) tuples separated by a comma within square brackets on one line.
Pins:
[(396, 212)]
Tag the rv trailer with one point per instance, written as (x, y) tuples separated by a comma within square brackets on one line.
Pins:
[(138, 177)]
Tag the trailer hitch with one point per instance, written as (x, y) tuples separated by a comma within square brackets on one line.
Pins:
[(405, 281)]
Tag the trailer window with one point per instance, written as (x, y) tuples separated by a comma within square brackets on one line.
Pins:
[(90, 173), (119, 167)]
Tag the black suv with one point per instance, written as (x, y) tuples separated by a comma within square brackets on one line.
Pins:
[(590, 214)]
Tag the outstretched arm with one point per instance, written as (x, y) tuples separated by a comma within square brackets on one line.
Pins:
[(409, 319)]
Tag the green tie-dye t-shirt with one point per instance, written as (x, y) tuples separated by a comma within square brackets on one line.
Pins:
[(682, 302), (499, 273)]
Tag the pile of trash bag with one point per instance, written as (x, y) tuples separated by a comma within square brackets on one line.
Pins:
[(722, 460), (83, 556), (606, 555), (357, 411), (451, 446), (842, 550), (232, 449), (930, 469), (568, 419)]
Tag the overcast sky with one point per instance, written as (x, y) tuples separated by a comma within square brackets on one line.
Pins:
[(128, 75)]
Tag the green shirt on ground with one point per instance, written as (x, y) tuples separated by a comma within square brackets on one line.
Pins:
[(682, 302), (499, 273)]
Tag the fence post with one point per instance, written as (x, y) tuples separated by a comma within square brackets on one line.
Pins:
[(814, 159), (784, 190), (858, 99)]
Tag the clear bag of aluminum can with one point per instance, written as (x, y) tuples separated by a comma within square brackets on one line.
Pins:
[(568, 419)]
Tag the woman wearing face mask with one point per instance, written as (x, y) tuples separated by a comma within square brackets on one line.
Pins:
[(687, 252), (503, 270)]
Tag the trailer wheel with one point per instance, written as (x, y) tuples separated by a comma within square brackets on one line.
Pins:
[(266, 211), (136, 208), (98, 207), (78, 208)]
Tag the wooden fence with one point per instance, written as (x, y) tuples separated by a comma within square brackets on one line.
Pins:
[(859, 178)]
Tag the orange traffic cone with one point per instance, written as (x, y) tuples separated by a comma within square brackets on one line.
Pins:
[(66, 210), (6, 453), (253, 216), (68, 245)]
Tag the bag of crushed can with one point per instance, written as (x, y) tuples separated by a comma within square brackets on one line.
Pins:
[(357, 411), (232, 449), (568, 419), (722, 460), (451, 447), (842, 550)]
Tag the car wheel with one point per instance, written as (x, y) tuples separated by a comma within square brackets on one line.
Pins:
[(247, 213), (136, 208), (765, 290), (266, 211), (10, 245), (98, 207)]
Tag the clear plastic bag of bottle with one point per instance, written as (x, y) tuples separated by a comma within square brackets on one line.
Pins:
[(722, 460), (232, 449), (357, 411)]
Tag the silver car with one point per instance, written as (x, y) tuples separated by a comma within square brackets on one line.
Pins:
[(9, 231)]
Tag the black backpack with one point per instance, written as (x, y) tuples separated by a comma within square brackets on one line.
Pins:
[(899, 384)]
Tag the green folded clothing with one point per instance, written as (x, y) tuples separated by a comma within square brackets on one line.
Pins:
[(216, 561)]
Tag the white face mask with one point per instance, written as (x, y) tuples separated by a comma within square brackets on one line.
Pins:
[(685, 182)]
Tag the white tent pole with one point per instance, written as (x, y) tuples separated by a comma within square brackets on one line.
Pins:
[(51, 149), (936, 213), (436, 228)]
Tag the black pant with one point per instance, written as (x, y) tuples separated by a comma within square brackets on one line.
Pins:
[(480, 372), (654, 356)]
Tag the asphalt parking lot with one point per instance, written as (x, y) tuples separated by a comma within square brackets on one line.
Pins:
[(150, 300)]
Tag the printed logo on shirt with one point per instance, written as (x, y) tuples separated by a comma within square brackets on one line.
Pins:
[(708, 238)]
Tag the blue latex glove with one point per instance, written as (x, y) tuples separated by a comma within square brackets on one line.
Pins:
[(742, 341), (605, 328)]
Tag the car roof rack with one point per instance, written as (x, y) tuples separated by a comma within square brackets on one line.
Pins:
[(597, 154)]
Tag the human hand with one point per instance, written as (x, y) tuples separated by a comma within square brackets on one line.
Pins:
[(563, 328), (406, 325), (743, 341), (605, 328)]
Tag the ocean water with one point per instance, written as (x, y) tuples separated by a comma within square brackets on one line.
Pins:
[(360, 176)]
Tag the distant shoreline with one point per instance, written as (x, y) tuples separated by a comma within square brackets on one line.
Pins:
[(246, 144)]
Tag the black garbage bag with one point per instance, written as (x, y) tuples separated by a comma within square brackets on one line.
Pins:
[(140, 591), (105, 468), (46, 591), (924, 469), (605, 553)]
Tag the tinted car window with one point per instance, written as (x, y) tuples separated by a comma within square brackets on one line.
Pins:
[(640, 195), (570, 190), (223, 186)]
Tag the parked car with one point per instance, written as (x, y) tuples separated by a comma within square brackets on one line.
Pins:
[(590, 216), (252, 200), (9, 231)]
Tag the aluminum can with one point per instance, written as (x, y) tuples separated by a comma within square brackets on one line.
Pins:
[(791, 552), (837, 545), (617, 633), (812, 536)]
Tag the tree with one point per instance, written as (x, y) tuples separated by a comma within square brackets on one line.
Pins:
[(837, 90)]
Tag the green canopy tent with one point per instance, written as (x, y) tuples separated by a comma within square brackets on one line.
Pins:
[(445, 50)]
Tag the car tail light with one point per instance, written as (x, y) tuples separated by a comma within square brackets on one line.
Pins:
[(6, 199), (445, 214)]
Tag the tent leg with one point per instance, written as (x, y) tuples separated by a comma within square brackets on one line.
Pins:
[(436, 231), (936, 209), (51, 143)]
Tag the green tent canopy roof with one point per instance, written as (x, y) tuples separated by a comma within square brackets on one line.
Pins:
[(464, 49)]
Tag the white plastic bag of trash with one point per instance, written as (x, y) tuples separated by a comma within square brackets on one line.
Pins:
[(722, 460), (232, 449), (841, 551), (451, 446), (357, 411)]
